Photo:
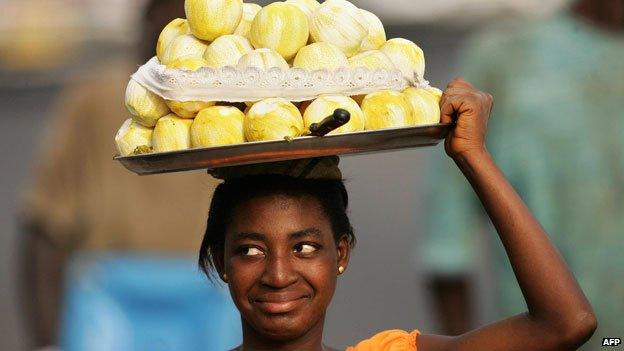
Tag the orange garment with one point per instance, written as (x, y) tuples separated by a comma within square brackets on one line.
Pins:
[(389, 340)]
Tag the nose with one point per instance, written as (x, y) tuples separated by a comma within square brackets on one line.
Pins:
[(279, 272)]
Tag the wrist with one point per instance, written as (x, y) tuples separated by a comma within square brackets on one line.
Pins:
[(469, 158)]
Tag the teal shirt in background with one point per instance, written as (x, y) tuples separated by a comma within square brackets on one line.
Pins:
[(557, 131)]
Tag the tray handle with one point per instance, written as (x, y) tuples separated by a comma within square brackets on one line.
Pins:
[(338, 119)]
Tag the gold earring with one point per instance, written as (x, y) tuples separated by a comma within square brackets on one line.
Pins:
[(224, 277), (341, 269)]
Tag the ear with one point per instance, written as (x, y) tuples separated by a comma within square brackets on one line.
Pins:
[(344, 252)]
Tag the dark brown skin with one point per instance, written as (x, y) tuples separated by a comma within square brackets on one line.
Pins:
[(559, 317), (279, 249), (605, 14), (449, 293), (264, 260)]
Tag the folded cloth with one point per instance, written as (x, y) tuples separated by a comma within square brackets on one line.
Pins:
[(309, 168)]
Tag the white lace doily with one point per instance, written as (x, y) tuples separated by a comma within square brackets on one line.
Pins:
[(233, 85)]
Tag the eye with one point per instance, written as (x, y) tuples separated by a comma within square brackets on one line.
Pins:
[(250, 251), (305, 248)]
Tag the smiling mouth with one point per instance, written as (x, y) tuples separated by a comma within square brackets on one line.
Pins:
[(278, 307)]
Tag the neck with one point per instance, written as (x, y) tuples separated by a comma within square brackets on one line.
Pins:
[(312, 340), (605, 14)]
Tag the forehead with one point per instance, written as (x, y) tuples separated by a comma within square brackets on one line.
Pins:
[(279, 215)]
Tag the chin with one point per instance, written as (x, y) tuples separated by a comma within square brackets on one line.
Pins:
[(284, 327)]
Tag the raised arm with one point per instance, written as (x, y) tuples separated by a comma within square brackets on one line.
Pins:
[(559, 317)]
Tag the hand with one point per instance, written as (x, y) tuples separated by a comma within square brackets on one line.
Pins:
[(470, 109)]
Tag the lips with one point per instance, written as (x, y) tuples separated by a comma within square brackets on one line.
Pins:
[(275, 304)]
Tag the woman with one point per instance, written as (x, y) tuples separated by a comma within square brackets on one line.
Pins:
[(280, 242)]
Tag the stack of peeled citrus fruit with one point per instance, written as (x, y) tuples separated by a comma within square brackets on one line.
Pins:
[(302, 34)]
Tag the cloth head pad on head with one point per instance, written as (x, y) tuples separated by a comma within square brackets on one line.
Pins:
[(309, 168)]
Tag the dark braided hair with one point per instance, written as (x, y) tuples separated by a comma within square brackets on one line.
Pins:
[(331, 194)]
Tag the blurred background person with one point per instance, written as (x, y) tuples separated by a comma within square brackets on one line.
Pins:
[(46, 64), (109, 256), (558, 133)]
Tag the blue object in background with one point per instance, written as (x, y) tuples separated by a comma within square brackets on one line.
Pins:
[(155, 303)]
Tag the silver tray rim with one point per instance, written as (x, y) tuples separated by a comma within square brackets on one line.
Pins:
[(182, 162), (280, 142)]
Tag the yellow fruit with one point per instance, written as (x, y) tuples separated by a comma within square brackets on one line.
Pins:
[(210, 19), (436, 92), (325, 106), (376, 32), (340, 23), (188, 109), (387, 109), (426, 106), (146, 107), (218, 125), (172, 133), (188, 63), (183, 46), (263, 59), (249, 13), (372, 60), (307, 6), (173, 30), (273, 119), (281, 27), (320, 56), (132, 135), (227, 50), (406, 56)]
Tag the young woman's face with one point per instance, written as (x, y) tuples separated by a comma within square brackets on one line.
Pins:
[(281, 262)]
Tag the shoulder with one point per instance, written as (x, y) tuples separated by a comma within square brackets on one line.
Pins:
[(389, 340)]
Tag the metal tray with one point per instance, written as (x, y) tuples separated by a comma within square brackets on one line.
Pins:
[(269, 151)]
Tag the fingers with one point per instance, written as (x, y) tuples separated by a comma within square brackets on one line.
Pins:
[(460, 82), (450, 107)]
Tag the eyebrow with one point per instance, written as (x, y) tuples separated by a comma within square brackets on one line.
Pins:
[(310, 232)]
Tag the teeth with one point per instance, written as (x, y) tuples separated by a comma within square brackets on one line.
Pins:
[(307, 6), (387, 109), (227, 50), (320, 56), (373, 59), (172, 133), (273, 119), (145, 106), (188, 109), (249, 13), (183, 46), (132, 135), (325, 106), (340, 23), (280, 27), (218, 125), (424, 104), (173, 30), (263, 59), (376, 32), (210, 19), (406, 56)]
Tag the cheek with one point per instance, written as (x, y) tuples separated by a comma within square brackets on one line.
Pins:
[(241, 279), (321, 275)]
